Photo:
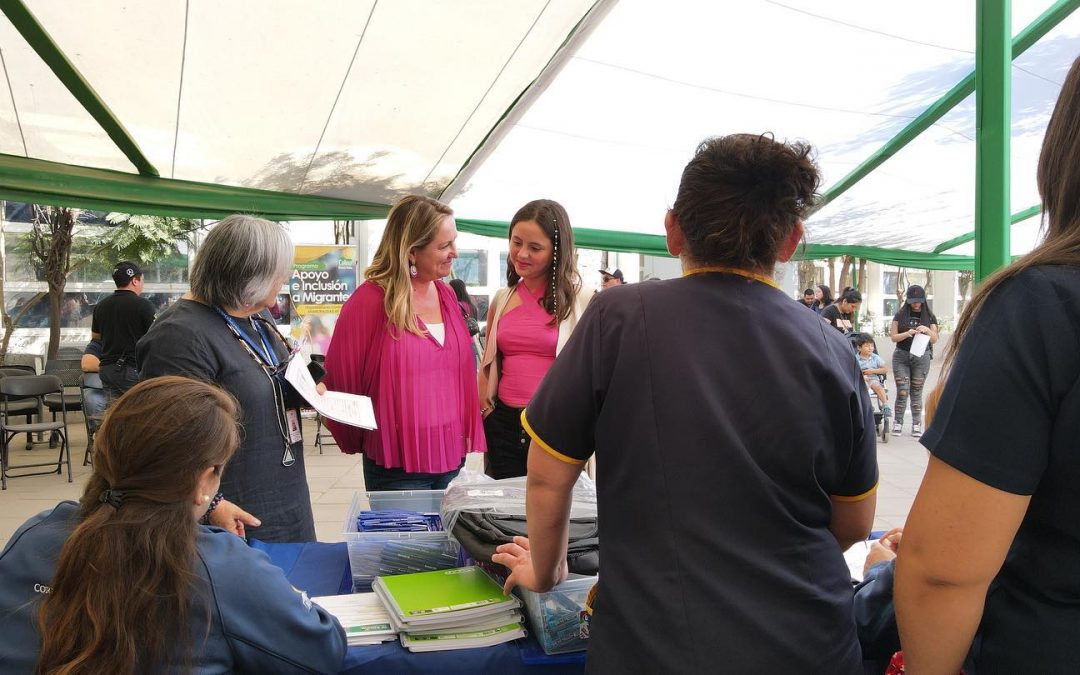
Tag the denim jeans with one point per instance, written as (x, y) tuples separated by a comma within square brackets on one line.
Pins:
[(378, 478), (910, 374), (117, 378)]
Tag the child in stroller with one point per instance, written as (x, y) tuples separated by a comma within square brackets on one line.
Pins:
[(874, 370)]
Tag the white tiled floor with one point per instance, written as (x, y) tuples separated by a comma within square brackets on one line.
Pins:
[(334, 477)]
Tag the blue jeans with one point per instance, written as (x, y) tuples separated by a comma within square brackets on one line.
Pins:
[(378, 478)]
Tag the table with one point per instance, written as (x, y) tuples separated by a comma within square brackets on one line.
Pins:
[(323, 569)]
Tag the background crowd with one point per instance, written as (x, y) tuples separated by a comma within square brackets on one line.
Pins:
[(725, 507)]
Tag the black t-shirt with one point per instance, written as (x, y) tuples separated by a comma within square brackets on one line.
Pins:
[(845, 323), (121, 319), (906, 320), (1009, 417), (715, 504), (93, 348)]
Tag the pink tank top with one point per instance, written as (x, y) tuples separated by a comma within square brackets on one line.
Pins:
[(527, 344)]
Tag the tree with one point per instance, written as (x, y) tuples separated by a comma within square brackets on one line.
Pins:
[(807, 274), (964, 281), (845, 272), (343, 231), (52, 231), (862, 286), (58, 247)]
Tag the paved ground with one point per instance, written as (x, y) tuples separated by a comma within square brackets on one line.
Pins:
[(334, 477)]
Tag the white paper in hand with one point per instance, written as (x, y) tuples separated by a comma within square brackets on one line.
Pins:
[(919, 343), (348, 409)]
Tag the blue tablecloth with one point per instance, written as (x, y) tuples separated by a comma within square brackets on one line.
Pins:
[(323, 569)]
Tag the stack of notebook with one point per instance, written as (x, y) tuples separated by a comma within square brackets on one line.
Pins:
[(457, 608), (362, 615)]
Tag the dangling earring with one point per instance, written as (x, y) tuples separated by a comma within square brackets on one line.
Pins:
[(412, 270)]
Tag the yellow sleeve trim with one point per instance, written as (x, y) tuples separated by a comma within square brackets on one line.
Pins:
[(550, 450), (856, 498)]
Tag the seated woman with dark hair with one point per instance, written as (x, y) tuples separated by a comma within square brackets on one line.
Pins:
[(736, 556), (841, 314), (128, 581)]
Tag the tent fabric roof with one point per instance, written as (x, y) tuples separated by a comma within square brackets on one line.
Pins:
[(336, 109)]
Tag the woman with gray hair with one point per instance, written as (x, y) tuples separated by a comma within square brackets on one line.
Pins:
[(221, 332)]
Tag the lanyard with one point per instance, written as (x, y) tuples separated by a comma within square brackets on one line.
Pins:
[(268, 360), (264, 352)]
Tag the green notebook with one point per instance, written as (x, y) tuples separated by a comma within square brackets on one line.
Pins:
[(443, 591)]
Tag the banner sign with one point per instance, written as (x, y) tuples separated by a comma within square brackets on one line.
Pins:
[(322, 280)]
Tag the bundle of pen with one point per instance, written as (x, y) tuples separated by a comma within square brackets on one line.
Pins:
[(398, 521)]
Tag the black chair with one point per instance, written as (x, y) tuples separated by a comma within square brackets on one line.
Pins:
[(14, 389), (320, 433), (94, 402), (71, 399), (18, 369), (56, 364), (70, 353), (27, 407)]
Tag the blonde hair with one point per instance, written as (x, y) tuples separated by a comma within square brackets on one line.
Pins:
[(412, 223)]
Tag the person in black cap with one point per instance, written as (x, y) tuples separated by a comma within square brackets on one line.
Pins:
[(909, 370), (119, 321), (611, 279)]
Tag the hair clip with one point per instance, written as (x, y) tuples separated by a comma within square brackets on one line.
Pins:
[(114, 498)]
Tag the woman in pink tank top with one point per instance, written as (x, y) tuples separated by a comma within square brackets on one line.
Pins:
[(528, 322)]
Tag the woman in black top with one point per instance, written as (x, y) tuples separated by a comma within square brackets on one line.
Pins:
[(822, 298), (992, 544), (841, 314), (221, 332), (909, 371)]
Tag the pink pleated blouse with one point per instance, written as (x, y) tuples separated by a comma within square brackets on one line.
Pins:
[(527, 344), (424, 393)]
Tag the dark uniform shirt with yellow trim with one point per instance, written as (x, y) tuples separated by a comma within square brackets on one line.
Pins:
[(724, 416)]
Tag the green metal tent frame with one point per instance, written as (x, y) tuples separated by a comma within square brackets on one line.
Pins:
[(38, 181)]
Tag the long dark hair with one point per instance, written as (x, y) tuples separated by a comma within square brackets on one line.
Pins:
[(462, 293), (564, 281), (1058, 180), (125, 580)]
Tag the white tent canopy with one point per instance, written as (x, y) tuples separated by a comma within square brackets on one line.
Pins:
[(491, 104)]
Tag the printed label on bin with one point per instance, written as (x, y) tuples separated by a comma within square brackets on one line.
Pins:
[(485, 493)]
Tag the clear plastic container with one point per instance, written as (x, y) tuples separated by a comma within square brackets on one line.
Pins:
[(556, 617), (373, 554)]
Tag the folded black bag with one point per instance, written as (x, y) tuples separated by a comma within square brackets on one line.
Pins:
[(481, 531)]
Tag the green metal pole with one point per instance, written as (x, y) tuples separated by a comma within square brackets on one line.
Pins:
[(1025, 39), (993, 114)]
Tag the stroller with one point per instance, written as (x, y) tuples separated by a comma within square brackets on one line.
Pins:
[(882, 422)]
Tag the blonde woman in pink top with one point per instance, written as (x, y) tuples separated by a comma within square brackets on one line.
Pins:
[(528, 323), (401, 339)]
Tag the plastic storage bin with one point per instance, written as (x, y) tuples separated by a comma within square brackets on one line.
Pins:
[(556, 616), (373, 554)]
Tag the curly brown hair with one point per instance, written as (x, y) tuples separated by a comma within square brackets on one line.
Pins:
[(740, 197)]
